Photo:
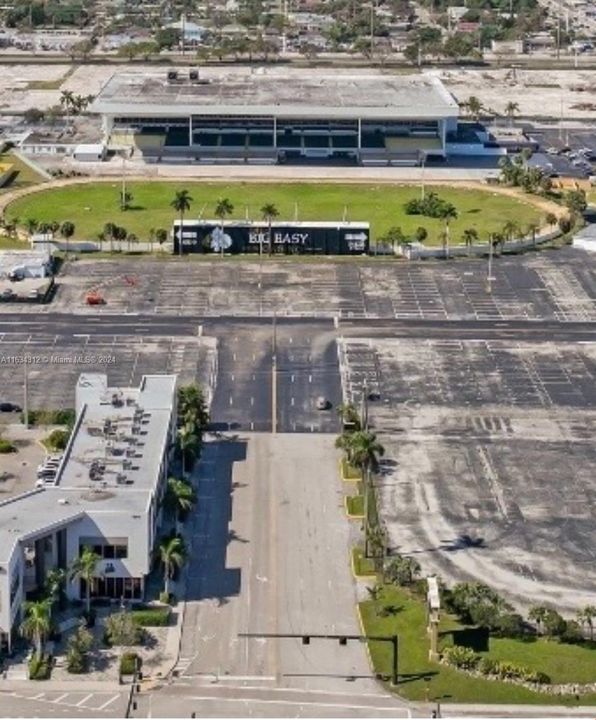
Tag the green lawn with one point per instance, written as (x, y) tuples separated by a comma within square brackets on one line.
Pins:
[(562, 663), (363, 567), (91, 206), (349, 472), (355, 505), (24, 175), (8, 243)]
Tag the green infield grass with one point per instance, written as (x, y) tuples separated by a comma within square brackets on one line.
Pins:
[(91, 206)]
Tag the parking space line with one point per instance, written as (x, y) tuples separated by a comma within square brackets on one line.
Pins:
[(109, 702), (84, 700)]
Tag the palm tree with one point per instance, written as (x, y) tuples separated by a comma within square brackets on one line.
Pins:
[(37, 623), (269, 212), (349, 416), (109, 232), (510, 228), (532, 229), (54, 585), (131, 239), (181, 203), (187, 441), (474, 106), (83, 568), (538, 614), (470, 236), (67, 230), (67, 100), (586, 616), (550, 219), (223, 208), (363, 451), (180, 497), (171, 552), (31, 224), (448, 213), (511, 110)]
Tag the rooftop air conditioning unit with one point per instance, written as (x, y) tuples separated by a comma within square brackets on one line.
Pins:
[(193, 75), (172, 75)]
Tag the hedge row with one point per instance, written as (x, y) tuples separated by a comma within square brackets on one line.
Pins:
[(465, 658), (152, 616), (52, 417)]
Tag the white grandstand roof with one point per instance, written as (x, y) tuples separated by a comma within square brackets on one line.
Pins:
[(293, 94)]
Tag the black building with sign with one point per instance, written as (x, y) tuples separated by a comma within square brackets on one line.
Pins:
[(286, 238)]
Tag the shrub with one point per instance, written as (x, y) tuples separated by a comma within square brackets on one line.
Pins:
[(510, 625), (487, 666), (165, 597), (129, 663), (554, 624), (40, 668), (461, 657), (6, 446), (52, 417), (76, 661), (536, 676), (572, 633), (121, 629), (431, 205), (152, 617), (57, 439)]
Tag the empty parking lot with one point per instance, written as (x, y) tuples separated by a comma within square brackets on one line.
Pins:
[(53, 362), (489, 459), (555, 284)]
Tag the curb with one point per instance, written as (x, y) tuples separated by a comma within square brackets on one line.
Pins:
[(344, 478), (363, 578), (363, 632)]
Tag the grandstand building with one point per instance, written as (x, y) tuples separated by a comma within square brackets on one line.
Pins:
[(268, 118)]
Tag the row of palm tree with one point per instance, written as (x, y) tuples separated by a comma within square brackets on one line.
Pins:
[(182, 201), (475, 108), (74, 104), (193, 420), (362, 450)]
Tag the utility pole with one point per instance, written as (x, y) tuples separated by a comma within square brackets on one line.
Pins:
[(274, 375), (489, 277), (25, 394), (372, 28)]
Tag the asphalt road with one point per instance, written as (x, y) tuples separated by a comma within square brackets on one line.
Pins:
[(154, 325), (270, 555)]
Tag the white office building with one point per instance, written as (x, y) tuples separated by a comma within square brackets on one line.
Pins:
[(107, 495)]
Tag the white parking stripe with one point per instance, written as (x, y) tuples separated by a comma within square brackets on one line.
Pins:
[(59, 698), (109, 702), (84, 700)]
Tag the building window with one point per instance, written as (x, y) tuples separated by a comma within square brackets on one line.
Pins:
[(108, 551)]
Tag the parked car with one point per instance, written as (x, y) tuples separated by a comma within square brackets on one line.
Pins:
[(9, 407)]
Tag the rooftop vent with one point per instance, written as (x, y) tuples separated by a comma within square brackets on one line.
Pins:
[(117, 400)]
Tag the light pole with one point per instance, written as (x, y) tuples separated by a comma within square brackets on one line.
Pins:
[(489, 277), (423, 163)]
